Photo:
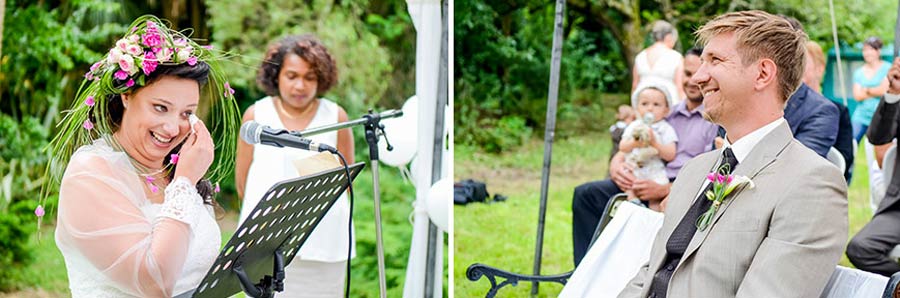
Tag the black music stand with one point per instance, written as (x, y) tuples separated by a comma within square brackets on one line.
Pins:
[(273, 233)]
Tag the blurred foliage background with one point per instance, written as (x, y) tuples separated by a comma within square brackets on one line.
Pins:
[(46, 46), (502, 56)]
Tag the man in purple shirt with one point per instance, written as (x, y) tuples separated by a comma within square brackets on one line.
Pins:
[(695, 136)]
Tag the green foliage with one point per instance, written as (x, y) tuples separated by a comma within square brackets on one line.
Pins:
[(21, 177), (21, 160), (45, 53), (856, 20), (247, 27), (14, 249), (503, 65)]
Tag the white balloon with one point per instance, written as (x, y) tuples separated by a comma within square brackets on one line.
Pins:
[(411, 109), (402, 134), (438, 204)]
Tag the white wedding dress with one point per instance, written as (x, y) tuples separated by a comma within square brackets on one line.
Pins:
[(116, 243)]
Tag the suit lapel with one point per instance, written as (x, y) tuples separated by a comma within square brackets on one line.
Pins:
[(763, 154)]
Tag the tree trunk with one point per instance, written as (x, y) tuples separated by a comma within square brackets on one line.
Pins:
[(628, 33), (632, 41)]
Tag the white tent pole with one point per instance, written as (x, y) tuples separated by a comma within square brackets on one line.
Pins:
[(837, 52), (426, 17), (435, 258)]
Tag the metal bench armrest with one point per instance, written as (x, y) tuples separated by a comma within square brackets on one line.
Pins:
[(477, 270)]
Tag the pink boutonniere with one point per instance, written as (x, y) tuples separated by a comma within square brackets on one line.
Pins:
[(723, 185)]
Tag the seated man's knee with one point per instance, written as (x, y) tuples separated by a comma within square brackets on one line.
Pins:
[(580, 196), (860, 250)]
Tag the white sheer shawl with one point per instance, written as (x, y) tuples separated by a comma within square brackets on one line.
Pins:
[(116, 243)]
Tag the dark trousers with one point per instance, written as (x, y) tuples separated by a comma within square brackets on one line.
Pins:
[(588, 203), (868, 250)]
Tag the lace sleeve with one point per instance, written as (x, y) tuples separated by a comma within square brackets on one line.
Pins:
[(182, 201), (102, 226)]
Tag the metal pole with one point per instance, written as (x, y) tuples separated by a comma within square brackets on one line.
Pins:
[(837, 53), (338, 126), (436, 158), (553, 93), (379, 247)]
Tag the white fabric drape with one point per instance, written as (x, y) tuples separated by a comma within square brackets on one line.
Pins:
[(617, 255)]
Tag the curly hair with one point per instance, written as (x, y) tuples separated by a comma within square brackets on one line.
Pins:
[(311, 50)]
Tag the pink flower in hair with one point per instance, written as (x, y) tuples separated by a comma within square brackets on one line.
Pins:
[(173, 158), (134, 50), (95, 67), (192, 61), (126, 63), (87, 124), (149, 64), (89, 101), (121, 75), (151, 39), (129, 83), (122, 45), (39, 211), (228, 90), (115, 54), (165, 54)]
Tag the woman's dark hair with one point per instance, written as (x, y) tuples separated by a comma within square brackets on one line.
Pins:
[(311, 50), (198, 73), (874, 42)]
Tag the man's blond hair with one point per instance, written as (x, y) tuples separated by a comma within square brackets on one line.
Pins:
[(815, 52), (762, 35)]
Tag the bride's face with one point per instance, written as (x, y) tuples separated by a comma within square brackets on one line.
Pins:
[(156, 118)]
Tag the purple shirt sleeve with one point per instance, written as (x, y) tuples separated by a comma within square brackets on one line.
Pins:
[(695, 136)]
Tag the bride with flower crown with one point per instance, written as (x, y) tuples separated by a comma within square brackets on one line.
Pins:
[(137, 216)]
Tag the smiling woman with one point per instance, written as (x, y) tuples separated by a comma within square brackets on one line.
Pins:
[(136, 211)]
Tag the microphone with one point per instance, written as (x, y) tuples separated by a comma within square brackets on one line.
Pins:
[(255, 133)]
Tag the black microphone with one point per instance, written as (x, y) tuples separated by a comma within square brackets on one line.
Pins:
[(255, 133)]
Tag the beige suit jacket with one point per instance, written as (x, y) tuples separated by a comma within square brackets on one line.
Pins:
[(782, 238)]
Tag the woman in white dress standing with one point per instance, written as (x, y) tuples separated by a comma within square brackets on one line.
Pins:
[(296, 71), (136, 209), (659, 62)]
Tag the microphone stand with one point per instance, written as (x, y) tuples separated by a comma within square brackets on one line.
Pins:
[(372, 124)]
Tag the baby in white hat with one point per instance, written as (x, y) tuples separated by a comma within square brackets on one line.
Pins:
[(649, 142)]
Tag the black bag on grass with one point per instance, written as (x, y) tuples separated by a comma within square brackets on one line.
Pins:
[(468, 191)]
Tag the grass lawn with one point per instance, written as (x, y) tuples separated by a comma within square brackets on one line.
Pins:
[(503, 234), (46, 276)]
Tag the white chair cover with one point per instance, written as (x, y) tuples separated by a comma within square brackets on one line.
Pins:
[(617, 255), (854, 283)]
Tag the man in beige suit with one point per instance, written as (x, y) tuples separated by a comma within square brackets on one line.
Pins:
[(783, 236)]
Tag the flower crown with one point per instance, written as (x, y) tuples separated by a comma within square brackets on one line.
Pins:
[(125, 68), (137, 55)]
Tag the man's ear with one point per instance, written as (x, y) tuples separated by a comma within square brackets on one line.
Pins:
[(767, 74)]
